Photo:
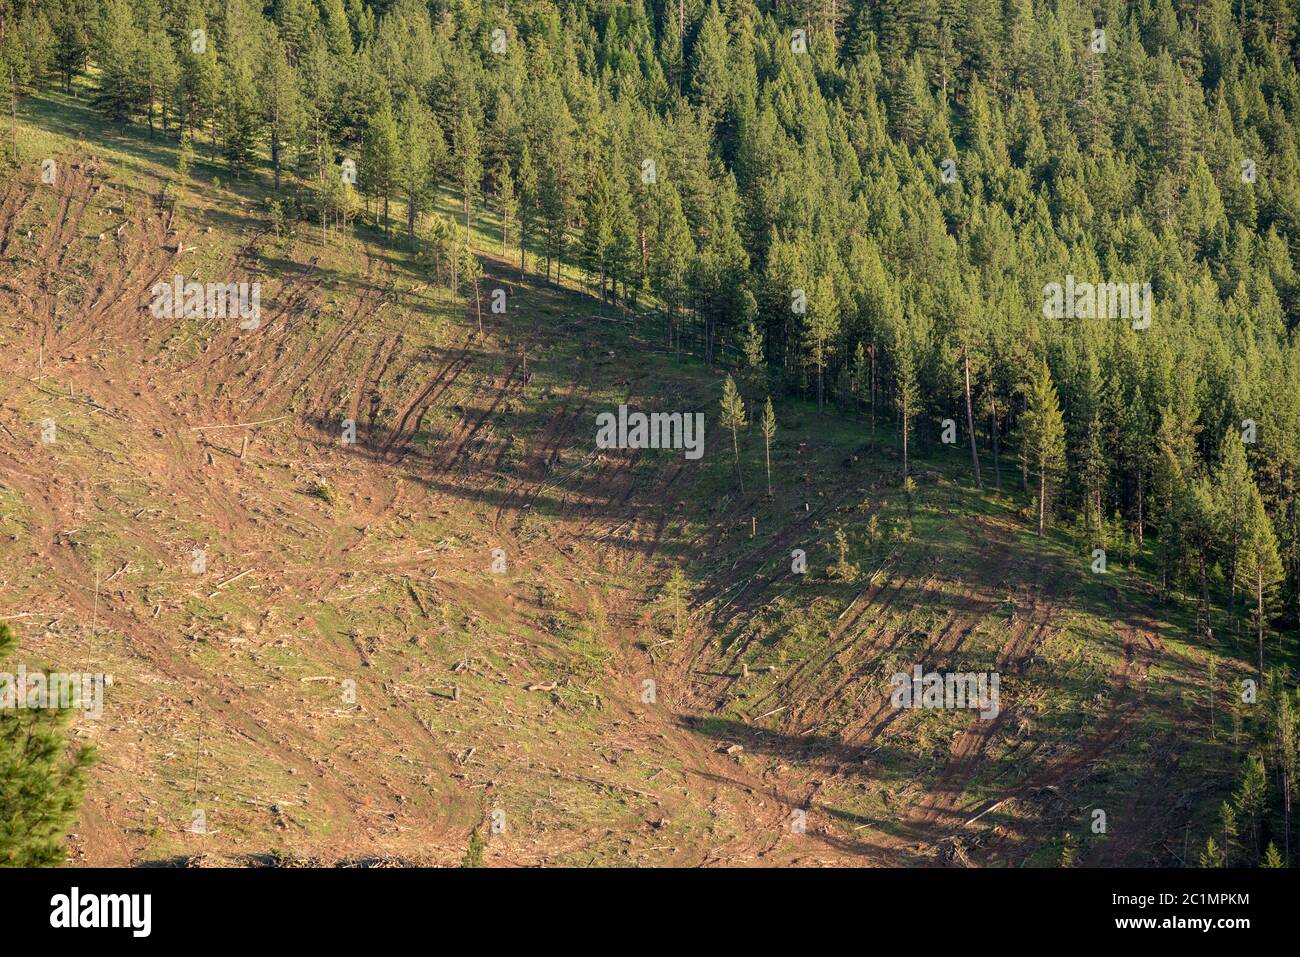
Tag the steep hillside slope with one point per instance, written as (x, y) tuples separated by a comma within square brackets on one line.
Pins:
[(347, 677)]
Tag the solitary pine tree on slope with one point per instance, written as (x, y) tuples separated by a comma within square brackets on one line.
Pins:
[(769, 433), (40, 782), (733, 417)]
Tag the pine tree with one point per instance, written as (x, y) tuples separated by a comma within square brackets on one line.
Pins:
[(1213, 681), (474, 853), (420, 153), (1201, 536), (154, 64), (1285, 717), (72, 42), (282, 106), (908, 106), (1228, 827), (1260, 564), (709, 80), (755, 360), (338, 35), (471, 275), (1211, 856), (206, 78), (381, 159), (733, 417), (41, 782), (1089, 443), (553, 206), (970, 415), (469, 165), (528, 203), (241, 113), (674, 595), (671, 256), (860, 376), (440, 249), (821, 329), (1232, 495), (115, 53), (1251, 797), (906, 390), (1042, 439), (598, 228), (506, 199), (184, 154), (1069, 850), (768, 426)]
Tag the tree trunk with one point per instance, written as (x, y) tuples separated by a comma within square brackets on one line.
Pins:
[(1139, 504), (1205, 597), (478, 306), (1042, 500), (904, 441), (1286, 816), (767, 455), (1024, 459), (873, 389), (1259, 616), (735, 451), (997, 461), (13, 112), (970, 424)]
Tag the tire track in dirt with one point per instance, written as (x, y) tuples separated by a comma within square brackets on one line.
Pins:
[(413, 412), (542, 462), (879, 599), (1101, 739), (464, 435), (218, 360), (281, 392), (943, 800)]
